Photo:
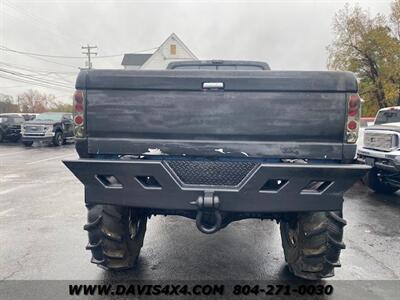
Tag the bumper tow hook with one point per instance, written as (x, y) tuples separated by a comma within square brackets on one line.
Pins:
[(208, 218)]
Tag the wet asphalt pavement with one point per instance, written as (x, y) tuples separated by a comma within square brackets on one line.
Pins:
[(42, 214)]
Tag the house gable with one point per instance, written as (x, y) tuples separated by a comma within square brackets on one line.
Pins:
[(172, 49)]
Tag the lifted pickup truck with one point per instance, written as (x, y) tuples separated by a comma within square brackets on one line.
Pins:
[(381, 150), (217, 146)]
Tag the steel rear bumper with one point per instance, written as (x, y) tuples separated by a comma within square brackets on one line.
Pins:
[(248, 196), (36, 138)]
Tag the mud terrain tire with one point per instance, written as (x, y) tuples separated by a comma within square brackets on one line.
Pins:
[(116, 236), (312, 243)]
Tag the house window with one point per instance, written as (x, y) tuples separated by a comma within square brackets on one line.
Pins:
[(172, 49)]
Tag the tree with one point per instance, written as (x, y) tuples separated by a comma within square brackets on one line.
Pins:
[(7, 104), (32, 101), (369, 46), (395, 27), (62, 107), (395, 18)]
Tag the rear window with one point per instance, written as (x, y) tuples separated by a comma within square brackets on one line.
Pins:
[(387, 116), (49, 117)]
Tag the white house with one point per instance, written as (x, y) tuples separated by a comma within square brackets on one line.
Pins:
[(172, 49)]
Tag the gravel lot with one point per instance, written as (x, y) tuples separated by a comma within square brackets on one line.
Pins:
[(42, 214)]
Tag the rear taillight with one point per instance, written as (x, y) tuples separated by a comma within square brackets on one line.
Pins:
[(79, 113), (78, 107), (78, 120), (353, 118)]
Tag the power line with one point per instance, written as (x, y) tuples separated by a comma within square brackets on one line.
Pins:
[(28, 79), (41, 74), (44, 72), (67, 57), (40, 58), (121, 54), (50, 26), (29, 76), (31, 83), (41, 55), (13, 86)]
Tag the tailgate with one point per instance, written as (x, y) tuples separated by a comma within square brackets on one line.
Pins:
[(266, 114)]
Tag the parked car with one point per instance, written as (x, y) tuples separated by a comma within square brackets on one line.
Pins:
[(381, 150), (217, 146), (54, 127), (10, 127)]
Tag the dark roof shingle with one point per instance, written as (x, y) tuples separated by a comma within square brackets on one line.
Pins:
[(135, 59)]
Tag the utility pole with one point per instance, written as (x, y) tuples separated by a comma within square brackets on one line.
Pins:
[(89, 53)]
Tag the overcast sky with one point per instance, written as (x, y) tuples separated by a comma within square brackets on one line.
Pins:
[(289, 35)]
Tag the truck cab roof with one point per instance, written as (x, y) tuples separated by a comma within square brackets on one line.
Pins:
[(245, 65), (388, 116), (390, 108)]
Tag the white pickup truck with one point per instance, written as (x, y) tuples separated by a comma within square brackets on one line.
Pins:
[(381, 150)]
